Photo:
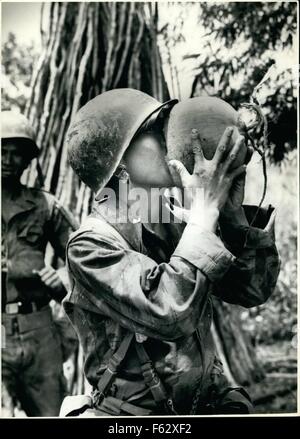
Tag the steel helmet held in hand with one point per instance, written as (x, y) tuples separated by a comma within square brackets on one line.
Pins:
[(210, 116)]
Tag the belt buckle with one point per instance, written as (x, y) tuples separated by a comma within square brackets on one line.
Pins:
[(12, 308)]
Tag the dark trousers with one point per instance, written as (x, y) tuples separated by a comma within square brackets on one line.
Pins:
[(32, 372)]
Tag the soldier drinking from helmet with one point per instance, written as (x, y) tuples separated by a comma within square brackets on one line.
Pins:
[(32, 374), (140, 297)]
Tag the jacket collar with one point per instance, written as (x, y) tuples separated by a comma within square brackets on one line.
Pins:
[(131, 229), (116, 214)]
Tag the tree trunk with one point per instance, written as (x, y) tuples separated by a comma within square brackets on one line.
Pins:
[(234, 346)]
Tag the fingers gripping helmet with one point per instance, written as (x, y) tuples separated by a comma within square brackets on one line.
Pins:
[(210, 116), (103, 129), (16, 126)]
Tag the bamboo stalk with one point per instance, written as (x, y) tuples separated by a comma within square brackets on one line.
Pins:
[(135, 51), (95, 62), (83, 64), (110, 49), (72, 71), (120, 38), (177, 83), (127, 45), (48, 53)]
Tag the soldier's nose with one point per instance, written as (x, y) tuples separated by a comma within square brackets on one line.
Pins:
[(7, 158)]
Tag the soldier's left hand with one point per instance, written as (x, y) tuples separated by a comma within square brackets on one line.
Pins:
[(237, 191), (236, 194), (50, 278)]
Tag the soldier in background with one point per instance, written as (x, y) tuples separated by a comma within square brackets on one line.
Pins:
[(32, 357)]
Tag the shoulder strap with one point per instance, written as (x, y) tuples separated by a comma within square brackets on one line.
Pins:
[(104, 383), (150, 376), (153, 381), (107, 377)]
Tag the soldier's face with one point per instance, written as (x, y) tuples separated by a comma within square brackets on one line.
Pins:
[(13, 160), (145, 161)]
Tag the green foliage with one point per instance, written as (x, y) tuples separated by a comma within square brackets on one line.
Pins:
[(264, 25), (243, 41), (17, 65)]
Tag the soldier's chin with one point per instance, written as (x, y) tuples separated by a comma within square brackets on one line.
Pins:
[(155, 179)]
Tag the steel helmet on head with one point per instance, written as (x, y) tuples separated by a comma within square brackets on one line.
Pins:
[(210, 116), (17, 126), (103, 129)]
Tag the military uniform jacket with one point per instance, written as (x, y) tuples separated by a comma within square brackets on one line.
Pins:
[(162, 291), (35, 219)]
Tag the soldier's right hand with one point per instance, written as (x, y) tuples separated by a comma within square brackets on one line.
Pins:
[(50, 278), (208, 187)]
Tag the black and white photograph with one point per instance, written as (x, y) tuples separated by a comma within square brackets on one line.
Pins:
[(149, 211)]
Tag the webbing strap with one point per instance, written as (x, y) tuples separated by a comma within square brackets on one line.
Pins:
[(153, 381), (113, 365), (117, 406)]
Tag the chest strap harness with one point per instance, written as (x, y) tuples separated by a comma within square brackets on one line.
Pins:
[(151, 378)]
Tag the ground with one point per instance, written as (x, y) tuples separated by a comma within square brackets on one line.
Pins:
[(277, 393)]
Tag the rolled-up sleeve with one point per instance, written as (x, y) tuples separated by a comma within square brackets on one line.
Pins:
[(252, 277), (158, 300), (205, 251)]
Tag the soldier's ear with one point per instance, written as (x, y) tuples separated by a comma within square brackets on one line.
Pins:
[(28, 152), (27, 158)]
